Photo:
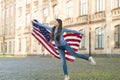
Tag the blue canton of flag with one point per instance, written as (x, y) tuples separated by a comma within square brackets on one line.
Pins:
[(45, 33)]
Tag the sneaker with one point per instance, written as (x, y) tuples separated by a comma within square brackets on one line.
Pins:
[(92, 61), (67, 78)]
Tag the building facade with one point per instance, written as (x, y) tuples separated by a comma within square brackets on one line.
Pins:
[(7, 26), (98, 20)]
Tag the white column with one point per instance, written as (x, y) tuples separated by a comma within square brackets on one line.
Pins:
[(108, 28)]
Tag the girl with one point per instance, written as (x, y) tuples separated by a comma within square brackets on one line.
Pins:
[(57, 35)]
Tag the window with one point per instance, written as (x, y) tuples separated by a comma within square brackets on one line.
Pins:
[(27, 19), (10, 47), (19, 23), (19, 44), (2, 47), (6, 29), (116, 3), (3, 15), (117, 36), (36, 15), (11, 10), (27, 44), (35, 6), (99, 38), (27, 15), (19, 11), (28, 1), (13, 46), (0, 29), (5, 46), (83, 7), (100, 5), (82, 44), (69, 9), (55, 8), (7, 12), (0, 12), (45, 13)]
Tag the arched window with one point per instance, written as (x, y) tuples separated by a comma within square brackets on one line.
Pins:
[(99, 38), (82, 44), (117, 36)]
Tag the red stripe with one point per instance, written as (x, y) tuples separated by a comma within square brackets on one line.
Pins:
[(69, 59), (77, 45), (73, 40), (78, 35), (75, 49)]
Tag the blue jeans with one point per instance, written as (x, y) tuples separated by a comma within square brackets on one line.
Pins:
[(62, 49)]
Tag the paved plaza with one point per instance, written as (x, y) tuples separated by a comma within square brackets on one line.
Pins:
[(47, 68)]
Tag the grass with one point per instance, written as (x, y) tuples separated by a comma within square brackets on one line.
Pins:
[(9, 56), (46, 68), (106, 69)]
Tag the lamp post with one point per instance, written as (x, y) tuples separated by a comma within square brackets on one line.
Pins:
[(90, 54), (89, 27)]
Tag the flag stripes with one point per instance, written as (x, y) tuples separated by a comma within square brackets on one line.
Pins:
[(72, 39)]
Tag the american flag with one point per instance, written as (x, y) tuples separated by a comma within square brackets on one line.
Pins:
[(43, 36)]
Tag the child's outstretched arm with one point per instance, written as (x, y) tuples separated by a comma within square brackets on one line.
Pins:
[(41, 25), (73, 31)]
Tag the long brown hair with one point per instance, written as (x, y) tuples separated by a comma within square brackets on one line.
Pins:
[(58, 31)]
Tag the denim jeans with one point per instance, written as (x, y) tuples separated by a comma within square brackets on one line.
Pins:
[(62, 49)]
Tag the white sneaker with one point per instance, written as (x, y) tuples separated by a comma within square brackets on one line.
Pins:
[(67, 78), (92, 61)]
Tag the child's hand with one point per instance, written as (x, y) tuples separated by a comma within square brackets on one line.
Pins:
[(34, 21)]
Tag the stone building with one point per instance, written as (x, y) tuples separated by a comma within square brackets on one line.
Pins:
[(98, 20)]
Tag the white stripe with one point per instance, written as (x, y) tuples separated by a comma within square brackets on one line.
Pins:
[(71, 42), (69, 56), (75, 47), (36, 28), (72, 37)]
